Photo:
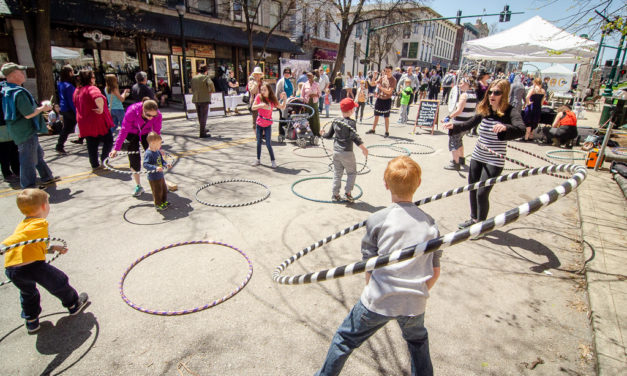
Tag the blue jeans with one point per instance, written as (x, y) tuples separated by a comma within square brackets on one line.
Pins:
[(326, 108), (361, 323), (52, 279), (320, 103), (118, 116), (268, 137), (31, 162)]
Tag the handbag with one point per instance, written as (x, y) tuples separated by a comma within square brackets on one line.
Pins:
[(246, 98)]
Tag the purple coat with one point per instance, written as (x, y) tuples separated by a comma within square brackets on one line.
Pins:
[(134, 123)]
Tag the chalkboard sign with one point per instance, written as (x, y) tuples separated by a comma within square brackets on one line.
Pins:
[(427, 114)]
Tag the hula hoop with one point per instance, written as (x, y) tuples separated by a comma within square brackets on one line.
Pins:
[(578, 172), (191, 310), (3, 250), (361, 192), (431, 151), (362, 171), (551, 153), (232, 181), (308, 156), (620, 150), (399, 149), (526, 166), (107, 161), (313, 112)]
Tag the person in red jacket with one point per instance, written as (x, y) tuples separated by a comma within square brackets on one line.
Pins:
[(93, 117), (564, 127)]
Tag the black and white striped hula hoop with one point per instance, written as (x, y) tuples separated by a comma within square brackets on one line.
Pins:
[(362, 171), (551, 153), (267, 194), (430, 150), (519, 162), (578, 172), (3, 250), (191, 310), (399, 149), (620, 150), (313, 112), (107, 161)]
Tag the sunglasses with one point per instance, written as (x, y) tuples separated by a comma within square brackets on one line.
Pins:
[(495, 92)]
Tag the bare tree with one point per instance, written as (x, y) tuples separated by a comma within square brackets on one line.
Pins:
[(580, 16), (382, 42), (251, 12), (347, 13), (36, 17)]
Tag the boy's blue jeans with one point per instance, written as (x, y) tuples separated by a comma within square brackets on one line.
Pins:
[(361, 323), (31, 162), (52, 279)]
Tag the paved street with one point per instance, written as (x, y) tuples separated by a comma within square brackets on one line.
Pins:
[(512, 303)]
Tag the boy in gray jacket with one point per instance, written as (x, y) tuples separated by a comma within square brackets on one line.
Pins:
[(344, 131)]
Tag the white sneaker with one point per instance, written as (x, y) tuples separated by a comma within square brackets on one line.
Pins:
[(273, 164), (257, 162)]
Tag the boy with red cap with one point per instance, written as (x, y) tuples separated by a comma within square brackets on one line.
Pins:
[(344, 133)]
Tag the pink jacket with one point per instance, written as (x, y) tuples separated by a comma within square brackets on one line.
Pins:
[(134, 123)]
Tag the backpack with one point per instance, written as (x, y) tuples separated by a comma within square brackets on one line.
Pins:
[(434, 81), (448, 80)]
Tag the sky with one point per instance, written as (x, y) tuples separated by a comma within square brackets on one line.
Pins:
[(551, 10)]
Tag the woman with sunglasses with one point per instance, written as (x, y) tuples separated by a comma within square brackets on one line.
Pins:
[(93, 117), (140, 119), (498, 123)]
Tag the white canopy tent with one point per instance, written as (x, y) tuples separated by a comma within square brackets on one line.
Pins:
[(534, 40), (560, 78), (59, 53)]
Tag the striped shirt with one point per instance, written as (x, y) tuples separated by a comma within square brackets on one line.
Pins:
[(490, 140), (469, 108)]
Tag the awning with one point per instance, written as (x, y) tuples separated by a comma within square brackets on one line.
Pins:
[(60, 53), (322, 54), (114, 18)]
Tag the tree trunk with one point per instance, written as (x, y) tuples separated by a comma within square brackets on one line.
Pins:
[(36, 16), (341, 53)]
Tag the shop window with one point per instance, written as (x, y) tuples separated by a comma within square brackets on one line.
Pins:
[(202, 6), (413, 50), (327, 28), (276, 11), (404, 50)]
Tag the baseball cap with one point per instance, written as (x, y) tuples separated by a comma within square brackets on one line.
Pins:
[(8, 68), (347, 104)]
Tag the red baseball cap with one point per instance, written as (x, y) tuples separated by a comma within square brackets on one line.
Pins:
[(347, 104)]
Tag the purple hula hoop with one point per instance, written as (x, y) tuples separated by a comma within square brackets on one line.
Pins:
[(192, 310)]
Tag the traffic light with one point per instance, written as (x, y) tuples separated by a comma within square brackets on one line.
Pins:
[(505, 15), (458, 21)]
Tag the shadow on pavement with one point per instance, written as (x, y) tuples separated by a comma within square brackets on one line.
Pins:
[(180, 207), (498, 237), (61, 195)]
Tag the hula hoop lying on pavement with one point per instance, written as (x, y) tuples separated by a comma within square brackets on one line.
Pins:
[(430, 151), (361, 192), (107, 161), (3, 250), (620, 150), (399, 149), (362, 171), (308, 156), (191, 310), (232, 181), (313, 112), (579, 174), (551, 153)]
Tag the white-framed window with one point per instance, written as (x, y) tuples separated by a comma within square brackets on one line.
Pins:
[(275, 14), (238, 10), (358, 31), (327, 28)]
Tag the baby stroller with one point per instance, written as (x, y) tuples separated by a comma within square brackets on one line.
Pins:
[(298, 128)]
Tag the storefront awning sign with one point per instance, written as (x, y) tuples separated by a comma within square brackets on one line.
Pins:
[(325, 54)]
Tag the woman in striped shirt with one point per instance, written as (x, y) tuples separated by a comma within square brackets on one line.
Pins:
[(464, 111), (497, 123)]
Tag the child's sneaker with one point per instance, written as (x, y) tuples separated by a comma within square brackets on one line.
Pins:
[(370, 131), (336, 198), (138, 191), (387, 134), (349, 197), (257, 163), (83, 299), (273, 164), (161, 207), (166, 204), (32, 326)]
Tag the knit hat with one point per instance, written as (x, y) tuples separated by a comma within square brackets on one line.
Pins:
[(347, 104)]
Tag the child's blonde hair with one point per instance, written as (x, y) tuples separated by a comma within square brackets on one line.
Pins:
[(30, 200), (402, 176), (153, 136)]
